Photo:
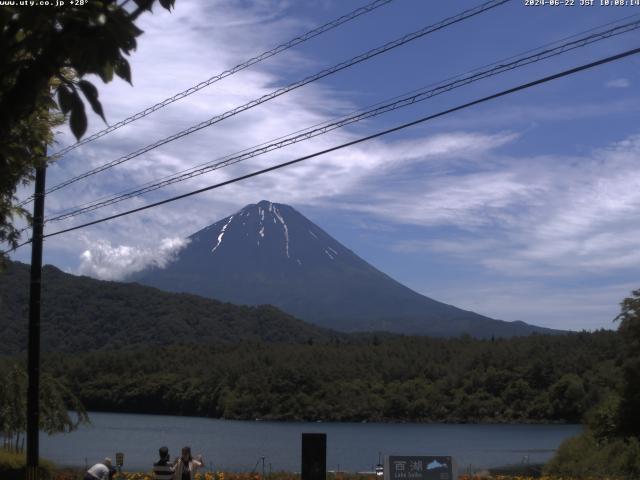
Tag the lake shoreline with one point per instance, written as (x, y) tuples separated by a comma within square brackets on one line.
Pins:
[(234, 446), (506, 473), (351, 422)]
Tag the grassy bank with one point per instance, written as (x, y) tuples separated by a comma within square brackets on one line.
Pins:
[(13, 466)]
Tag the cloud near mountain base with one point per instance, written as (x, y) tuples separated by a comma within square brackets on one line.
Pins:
[(105, 261)]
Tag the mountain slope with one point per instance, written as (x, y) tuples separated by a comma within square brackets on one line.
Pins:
[(270, 253), (80, 314)]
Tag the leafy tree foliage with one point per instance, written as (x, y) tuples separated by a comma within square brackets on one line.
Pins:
[(585, 456), (630, 330), (354, 379), (566, 397), (45, 55), (56, 399), (13, 404), (610, 446), (604, 419), (20, 151)]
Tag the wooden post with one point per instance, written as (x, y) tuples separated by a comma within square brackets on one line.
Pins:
[(33, 366)]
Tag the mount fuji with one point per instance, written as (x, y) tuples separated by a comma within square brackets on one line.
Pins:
[(268, 253)]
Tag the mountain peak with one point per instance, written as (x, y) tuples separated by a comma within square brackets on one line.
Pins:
[(267, 230), (263, 204), (269, 253), (240, 224)]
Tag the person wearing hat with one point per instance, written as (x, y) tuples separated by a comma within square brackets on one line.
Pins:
[(100, 471), (162, 469)]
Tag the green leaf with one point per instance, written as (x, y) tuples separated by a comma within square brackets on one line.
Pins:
[(144, 4), (123, 70), (91, 94), (106, 73), (65, 100), (134, 30), (168, 4), (78, 122), (78, 118)]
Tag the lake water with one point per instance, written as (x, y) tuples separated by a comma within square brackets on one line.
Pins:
[(238, 446)]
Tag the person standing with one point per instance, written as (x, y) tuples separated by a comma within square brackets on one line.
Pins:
[(100, 471), (186, 466), (162, 469)]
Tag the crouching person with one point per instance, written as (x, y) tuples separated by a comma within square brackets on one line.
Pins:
[(100, 471)]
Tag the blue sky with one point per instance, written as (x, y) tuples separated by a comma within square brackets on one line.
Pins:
[(525, 208)]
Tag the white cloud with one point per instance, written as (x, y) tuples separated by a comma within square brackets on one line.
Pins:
[(545, 215), (514, 114), (448, 247), (618, 83), (466, 200), (108, 262)]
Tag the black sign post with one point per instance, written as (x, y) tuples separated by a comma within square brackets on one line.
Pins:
[(119, 461), (314, 456), (418, 468)]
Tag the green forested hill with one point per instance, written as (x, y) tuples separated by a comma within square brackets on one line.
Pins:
[(154, 352), (82, 314), (532, 379)]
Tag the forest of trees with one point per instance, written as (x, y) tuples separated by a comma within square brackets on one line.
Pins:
[(609, 447), (528, 379), (83, 314)]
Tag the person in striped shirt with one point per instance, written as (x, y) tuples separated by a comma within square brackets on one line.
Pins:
[(162, 469)]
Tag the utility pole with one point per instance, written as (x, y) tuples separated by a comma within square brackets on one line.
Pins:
[(33, 366)]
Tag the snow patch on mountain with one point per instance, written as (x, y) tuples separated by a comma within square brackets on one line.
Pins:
[(285, 228), (222, 234)]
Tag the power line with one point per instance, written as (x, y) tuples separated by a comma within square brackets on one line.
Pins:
[(503, 93), (281, 91), (20, 245), (185, 93), (354, 142), (126, 192), (325, 127), (241, 66), (329, 126)]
